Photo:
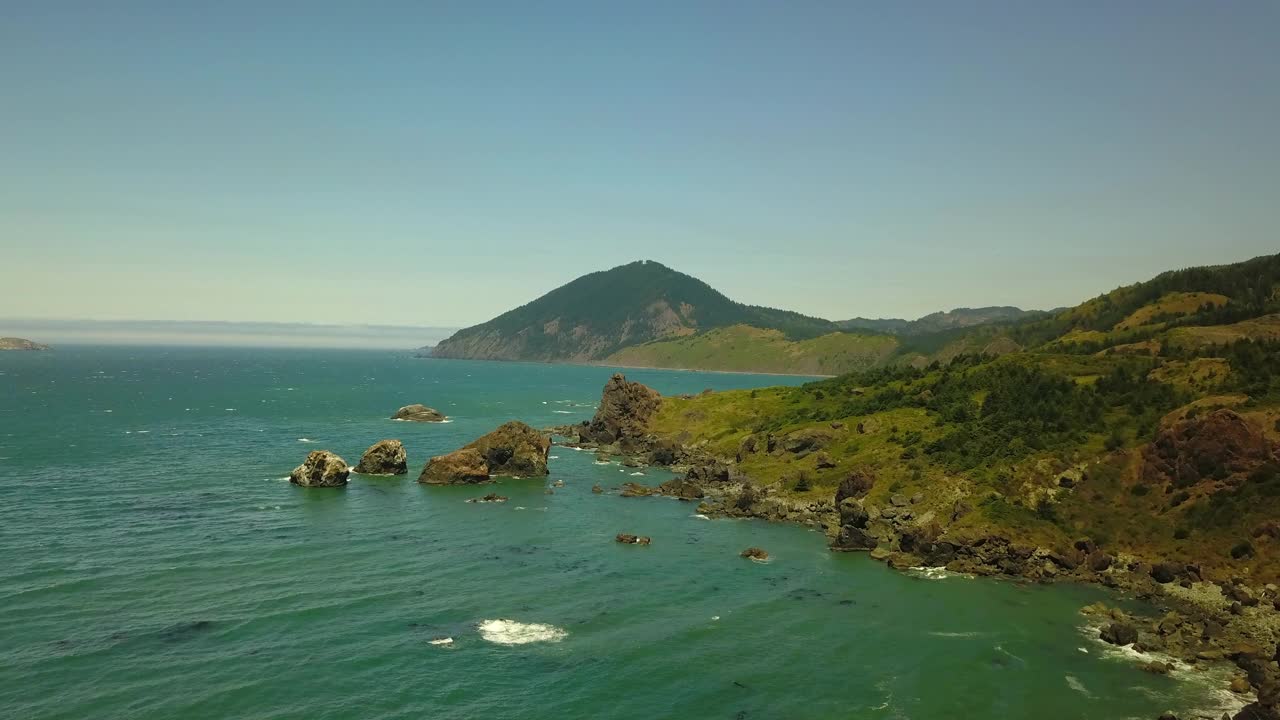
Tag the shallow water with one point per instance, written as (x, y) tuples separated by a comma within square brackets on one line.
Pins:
[(158, 565)]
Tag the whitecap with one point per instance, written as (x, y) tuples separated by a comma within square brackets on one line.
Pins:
[(634, 474), (441, 641), (143, 432), (1078, 686), (715, 617), (602, 462), (510, 632), (955, 634), (305, 440), (936, 573), (553, 457), (229, 409), (562, 412), (521, 507), (700, 516)]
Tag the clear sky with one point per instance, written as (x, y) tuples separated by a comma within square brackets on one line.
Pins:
[(433, 163)]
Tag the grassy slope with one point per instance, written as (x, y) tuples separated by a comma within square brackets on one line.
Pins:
[(743, 348)]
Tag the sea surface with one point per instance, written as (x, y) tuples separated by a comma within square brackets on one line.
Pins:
[(158, 564)]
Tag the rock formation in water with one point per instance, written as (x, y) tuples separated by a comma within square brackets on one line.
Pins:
[(13, 343), (460, 467), (321, 469), (755, 553), (385, 457), (625, 411), (514, 449), (629, 539), (418, 413)]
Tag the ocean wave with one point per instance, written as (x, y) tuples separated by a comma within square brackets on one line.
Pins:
[(305, 440), (441, 641), (636, 474), (1078, 686), (562, 412), (509, 632), (943, 633), (700, 516), (936, 573), (602, 462)]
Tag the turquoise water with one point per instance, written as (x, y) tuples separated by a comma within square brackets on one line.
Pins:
[(158, 565)]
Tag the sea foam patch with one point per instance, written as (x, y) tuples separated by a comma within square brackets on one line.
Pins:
[(936, 573), (509, 632)]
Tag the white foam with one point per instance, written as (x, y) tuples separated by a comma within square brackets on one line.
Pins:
[(305, 440), (601, 462), (936, 573), (229, 409), (440, 641), (700, 516), (955, 634), (1078, 686), (553, 457), (510, 632), (635, 474), (715, 617), (562, 412)]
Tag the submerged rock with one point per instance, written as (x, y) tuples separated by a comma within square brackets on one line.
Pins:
[(321, 469), (754, 553), (597, 489), (629, 539), (418, 413), (490, 498), (460, 467), (630, 489), (385, 457)]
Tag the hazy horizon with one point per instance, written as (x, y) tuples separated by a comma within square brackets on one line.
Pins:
[(221, 333)]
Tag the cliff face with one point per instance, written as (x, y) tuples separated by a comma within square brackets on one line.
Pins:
[(598, 314), (13, 343)]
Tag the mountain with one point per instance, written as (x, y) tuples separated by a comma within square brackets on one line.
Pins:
[(595, 315), (13, 343), (939, 321)]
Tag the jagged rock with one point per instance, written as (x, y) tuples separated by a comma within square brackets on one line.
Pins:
[(625, 410), (597, 489), (490, 498), (418, 413), (385, 457), (855, 538), (855, 485), (631, 489), (853, 513), (321, 469), (514, 449), (682, 488), (629, 539), (460, 467), (1099, 561), (755, 553), (1119, 633), (1218, 444)]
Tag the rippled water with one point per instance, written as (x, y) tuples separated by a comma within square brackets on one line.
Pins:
[(158, 565)]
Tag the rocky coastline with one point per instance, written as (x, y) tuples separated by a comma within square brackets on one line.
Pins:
[(1196, 621)]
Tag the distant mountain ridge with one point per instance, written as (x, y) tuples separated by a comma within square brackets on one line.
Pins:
[(939, 321), (590, 318)]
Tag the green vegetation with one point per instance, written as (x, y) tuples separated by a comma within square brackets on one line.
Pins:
[(743, 348)]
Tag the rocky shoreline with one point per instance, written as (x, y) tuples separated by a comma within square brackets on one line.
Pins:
[(1198, 623)]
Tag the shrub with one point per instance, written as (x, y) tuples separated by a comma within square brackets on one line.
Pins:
[(1139, 490), (802, 482), (1242, 550), (1181, 533)]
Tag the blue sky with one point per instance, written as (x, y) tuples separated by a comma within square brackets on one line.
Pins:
[(437, 163)]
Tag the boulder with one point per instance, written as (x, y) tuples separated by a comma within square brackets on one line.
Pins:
[(321, 469), (597, 489), (1216, 445), (418, 413), (1166, 572), (514, 449), (824, 461), (755, 553), (631, 489), (855, 485), (682, 488), (629, 539), (625, 411), (1119, 633), (460, 467), (385, 457)]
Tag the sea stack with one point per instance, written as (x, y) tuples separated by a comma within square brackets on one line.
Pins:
[(624, 413), (385, 457), (418, 413), (514, 449), (321, 469)]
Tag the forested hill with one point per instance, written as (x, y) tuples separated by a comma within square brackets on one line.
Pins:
[(599, 313)]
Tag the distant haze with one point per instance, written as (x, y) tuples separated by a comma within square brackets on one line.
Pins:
[(237, 334)]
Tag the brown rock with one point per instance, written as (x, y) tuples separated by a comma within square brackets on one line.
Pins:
[(597, 489), (514, 449), (490, 498), (460, 467), (1218, 444), (1119, 633), (1240, 685), (321, 469), (629, 539), (630, 489), (624, 412), (385, 457), (418, 413), (755, 553), (855, 485)]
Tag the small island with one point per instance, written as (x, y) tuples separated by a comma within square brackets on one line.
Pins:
[(15, 343)]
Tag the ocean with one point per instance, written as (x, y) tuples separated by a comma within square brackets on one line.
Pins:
[(158, 564)]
